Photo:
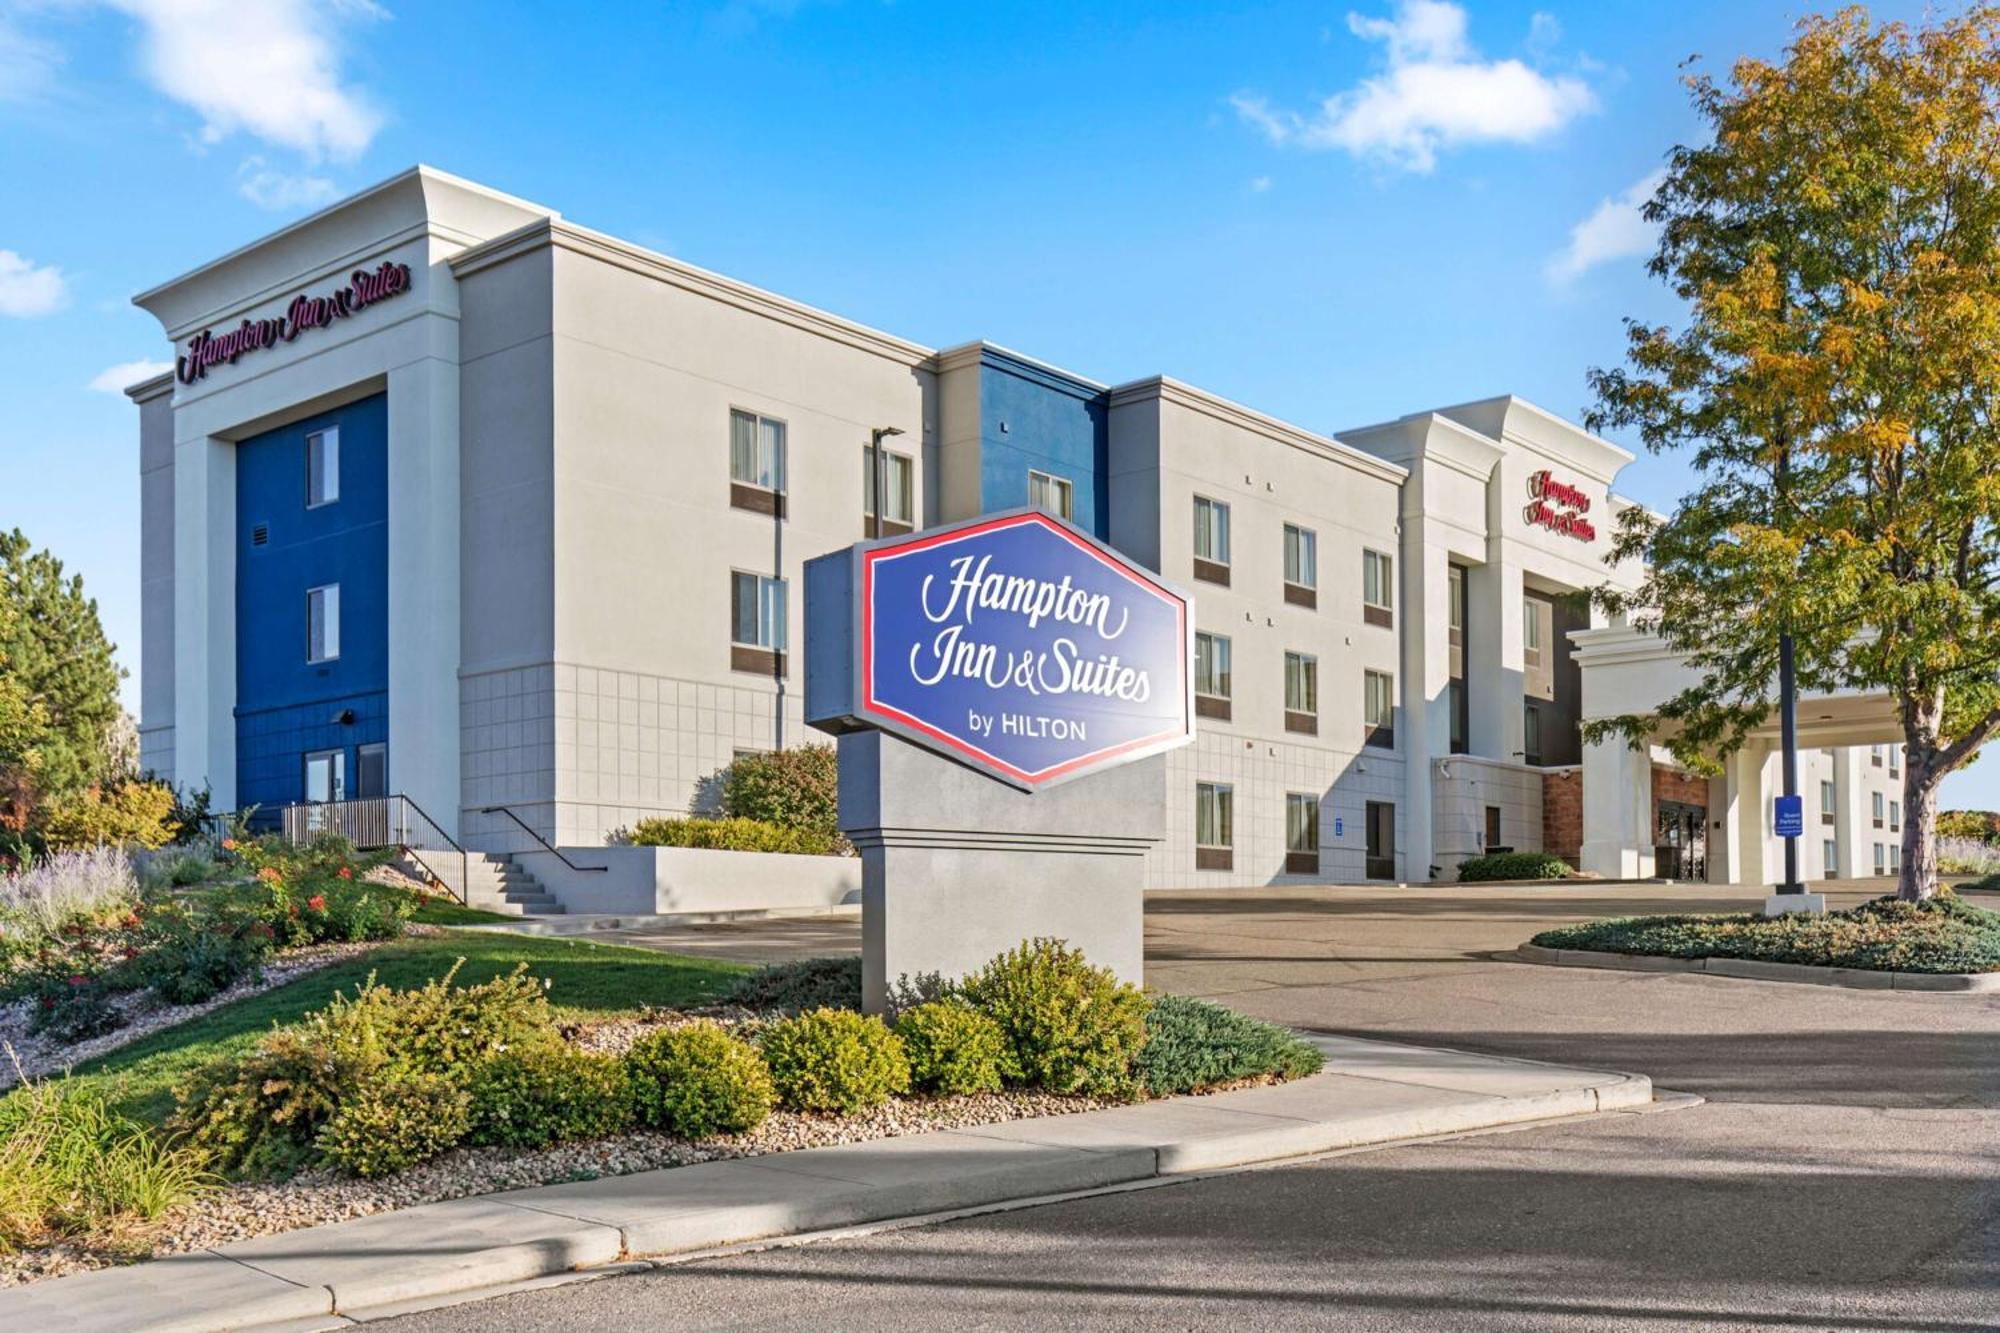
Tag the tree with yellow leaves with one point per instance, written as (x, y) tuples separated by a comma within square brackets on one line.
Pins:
[(1836, 245)]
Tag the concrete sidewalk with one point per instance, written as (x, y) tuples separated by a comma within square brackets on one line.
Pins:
[(1373, 1092)]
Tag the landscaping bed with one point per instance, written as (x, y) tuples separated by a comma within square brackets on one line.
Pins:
[(1945, 934), (525, 1061)]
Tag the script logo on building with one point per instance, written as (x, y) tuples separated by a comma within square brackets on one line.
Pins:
[(1559, 507), (209, 348), (1015, 644)]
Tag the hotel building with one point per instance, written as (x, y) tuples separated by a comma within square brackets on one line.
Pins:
[(452, 498)]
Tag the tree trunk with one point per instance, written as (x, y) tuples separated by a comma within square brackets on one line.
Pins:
[(1921, 780)]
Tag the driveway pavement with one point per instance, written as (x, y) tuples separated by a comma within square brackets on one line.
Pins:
[(1844, 1174)]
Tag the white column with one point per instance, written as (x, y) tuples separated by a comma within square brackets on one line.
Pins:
[(205, 617), (424, 587), (1745, 819), (1850, 812), (1425, 670), (1617, 810), (1493, 669)]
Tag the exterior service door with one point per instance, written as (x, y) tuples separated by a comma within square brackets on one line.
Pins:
[(1381, 831)]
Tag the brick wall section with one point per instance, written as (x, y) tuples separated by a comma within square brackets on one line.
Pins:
[(1562, 813), (1672, 785)]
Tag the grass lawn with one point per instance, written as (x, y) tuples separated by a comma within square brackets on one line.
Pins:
[(445, 912), (585, 978), (1945, 934)]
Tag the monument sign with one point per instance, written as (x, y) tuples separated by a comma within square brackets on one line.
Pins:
[(1001, 689)]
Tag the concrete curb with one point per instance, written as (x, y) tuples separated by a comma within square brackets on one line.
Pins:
[(1375, 1093), (592, 922), (1750, 969)]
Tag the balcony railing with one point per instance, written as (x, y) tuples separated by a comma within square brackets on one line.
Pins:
[(382, 821)]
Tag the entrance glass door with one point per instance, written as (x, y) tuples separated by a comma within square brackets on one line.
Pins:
[(1681, 847)]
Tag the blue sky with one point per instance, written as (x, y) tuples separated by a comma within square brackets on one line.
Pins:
[(1336, 213)]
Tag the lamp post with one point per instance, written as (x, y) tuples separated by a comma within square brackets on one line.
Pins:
[(875, 471)]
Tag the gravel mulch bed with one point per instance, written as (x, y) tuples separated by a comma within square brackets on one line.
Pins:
[(316, 1197), (145, 1013)]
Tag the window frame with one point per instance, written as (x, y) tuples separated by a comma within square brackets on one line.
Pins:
[(1212, 567), (1382, 735), (1061, 485), (336, 775), (1378, 568), (760, 657), (1219, 653), (329, 620), (906, 521), (1215, 855), (1300, 554), (1302, 818), (1302, 714), (329, 450), (750, 494), (1876, 807)]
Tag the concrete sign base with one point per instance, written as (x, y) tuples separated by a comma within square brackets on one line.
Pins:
[(956, 867)]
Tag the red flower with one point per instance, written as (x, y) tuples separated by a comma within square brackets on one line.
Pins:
[(270, 875), (229, 844), (79, 980), (131, 952), (346, 873), (317, 902), (293, 910)]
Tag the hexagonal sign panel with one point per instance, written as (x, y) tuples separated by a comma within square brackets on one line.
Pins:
[(1023, 647)]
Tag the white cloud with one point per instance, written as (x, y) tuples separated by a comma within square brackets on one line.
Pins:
[(116, 379), (280, 191), (27, 290), (270, 68), (1259, 184), (28, 65), (1615, 229), (1437, 92)]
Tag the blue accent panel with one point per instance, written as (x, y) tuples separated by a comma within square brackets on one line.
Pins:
[(1054, 423), (285, 705)]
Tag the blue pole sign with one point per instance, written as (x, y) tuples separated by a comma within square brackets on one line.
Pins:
[(1789, 816), (1013, 643)]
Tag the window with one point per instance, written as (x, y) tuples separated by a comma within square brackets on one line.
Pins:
[(898, 481), (1895, 816), (756, 623), (1214, 819), (1050, 494), (1378, 709), (1301, 566), (1302, 693), (1538, 657), (326, 776), (1876, 808), (1895, 858), (1211, 540), (1531, 734), (1301, 833), (1380, 860), (1895, 761), (1829, 858), (1875, 755), (1211, 676), (322, 467), (323, 623), (1531, 631), (1378, 597), (1493, 838), (1826, 803), (371, 772), (756, 463), (1456, 695), (1880, 859)]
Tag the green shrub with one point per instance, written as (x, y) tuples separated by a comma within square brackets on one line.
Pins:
[(796, 789), (1192, 1044), (953, 1048), (730, 835), (835, 1060), (698, 1081), (396, 1122), (547, 1093), (189, 961), (1514, 865), (267, 1111), (72, 1169), (1991, 881), (1070, 1027), (802, 984), (73, 1007), (125, 814)]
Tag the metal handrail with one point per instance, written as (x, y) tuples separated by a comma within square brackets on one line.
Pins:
[(383, 821), (523, 826)]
